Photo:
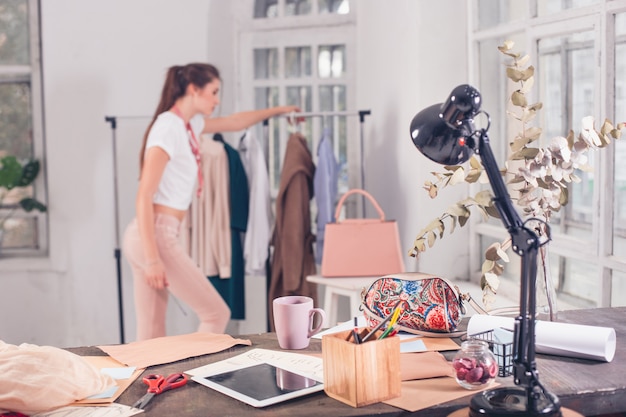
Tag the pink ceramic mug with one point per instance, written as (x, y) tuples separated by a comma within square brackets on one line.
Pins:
[(294, 318)]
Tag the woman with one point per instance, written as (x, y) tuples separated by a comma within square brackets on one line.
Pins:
[(170, 173)]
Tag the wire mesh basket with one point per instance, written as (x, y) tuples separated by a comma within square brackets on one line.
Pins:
[(503, 351)]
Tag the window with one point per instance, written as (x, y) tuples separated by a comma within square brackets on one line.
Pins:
[(20, 121), (299, 52), (578, 48)]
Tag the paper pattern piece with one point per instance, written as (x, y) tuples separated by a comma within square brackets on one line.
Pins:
[(111, 410), (171, 348), (424, 393), (424, 365), (111, 367), (307, 365), (554, 338)]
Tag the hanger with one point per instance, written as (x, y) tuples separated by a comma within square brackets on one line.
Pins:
[(292, 124)]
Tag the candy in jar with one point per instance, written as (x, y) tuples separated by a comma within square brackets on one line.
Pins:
[(475, 366)]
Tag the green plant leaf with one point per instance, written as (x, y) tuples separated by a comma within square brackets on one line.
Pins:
[(10, 172), (29, 173), (30, 204)]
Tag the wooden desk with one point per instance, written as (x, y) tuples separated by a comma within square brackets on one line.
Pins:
[(588, 387)]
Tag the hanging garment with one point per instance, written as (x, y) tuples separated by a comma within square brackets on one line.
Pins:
[(258, 230), (292, 258), (233, 289), (325, 186), (207, 236)]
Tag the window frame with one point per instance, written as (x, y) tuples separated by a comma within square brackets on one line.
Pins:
[(33, 75), (599, 18), (297, 31)]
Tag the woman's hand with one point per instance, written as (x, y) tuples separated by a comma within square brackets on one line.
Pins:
[(292, 109), (155, 274)]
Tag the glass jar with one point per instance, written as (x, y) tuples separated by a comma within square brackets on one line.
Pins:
[(475, 366)]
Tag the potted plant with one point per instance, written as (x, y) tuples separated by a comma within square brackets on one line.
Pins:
[(15, 178), (538, 176)]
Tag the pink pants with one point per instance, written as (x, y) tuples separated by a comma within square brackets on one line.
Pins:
[(186, 282)]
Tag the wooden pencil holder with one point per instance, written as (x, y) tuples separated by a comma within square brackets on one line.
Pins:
[(361, 374)]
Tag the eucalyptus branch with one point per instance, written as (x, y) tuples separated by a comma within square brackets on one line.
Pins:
[(539, 177)]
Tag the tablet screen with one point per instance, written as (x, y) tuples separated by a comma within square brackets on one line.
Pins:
[(262, 384)]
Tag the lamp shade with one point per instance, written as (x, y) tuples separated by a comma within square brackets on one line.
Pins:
[(443, 132)]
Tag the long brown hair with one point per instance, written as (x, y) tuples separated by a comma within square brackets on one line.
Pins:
[(176, 81)]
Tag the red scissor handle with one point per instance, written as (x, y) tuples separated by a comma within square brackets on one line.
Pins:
[(158, 384), (174, 381), (154, 383)]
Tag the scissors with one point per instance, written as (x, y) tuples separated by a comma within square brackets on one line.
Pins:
[(158, 384)]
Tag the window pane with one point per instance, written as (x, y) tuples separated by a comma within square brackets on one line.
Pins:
[(297, 7), (16, 128), (20, 233), (577, 282), (546, 7), (14, 39), (268, 97), (265, 63), (619, 228), (495, 12), (331, 61), (333, 98), (298, 62), (334, 6), (566, 82), (265, 8), (618, 289)]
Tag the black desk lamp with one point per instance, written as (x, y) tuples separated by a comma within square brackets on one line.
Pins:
[(445, 133)]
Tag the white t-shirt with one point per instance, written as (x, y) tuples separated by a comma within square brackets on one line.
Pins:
[(179, 179)]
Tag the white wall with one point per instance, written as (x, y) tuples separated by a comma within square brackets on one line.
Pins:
[(410, 56), (109, 58)]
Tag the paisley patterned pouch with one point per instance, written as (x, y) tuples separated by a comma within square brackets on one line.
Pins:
[(429, 305)]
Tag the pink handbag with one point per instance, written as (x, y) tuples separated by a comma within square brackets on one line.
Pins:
[(361, 247)]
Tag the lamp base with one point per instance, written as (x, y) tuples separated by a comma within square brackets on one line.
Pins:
[(511, 402), (465, 412)]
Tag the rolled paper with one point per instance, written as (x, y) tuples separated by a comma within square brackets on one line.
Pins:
[(554, 338)]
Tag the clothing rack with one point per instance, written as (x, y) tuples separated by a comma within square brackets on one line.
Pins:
[(360, 113)]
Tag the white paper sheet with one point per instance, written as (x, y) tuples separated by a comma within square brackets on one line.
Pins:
[(554, 338), (111, 410)]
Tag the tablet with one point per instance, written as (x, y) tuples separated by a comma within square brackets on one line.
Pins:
[(260, 384)]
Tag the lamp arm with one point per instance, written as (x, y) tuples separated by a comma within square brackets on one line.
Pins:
[(525, 243)]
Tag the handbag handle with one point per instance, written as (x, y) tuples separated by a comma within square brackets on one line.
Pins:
[(381, 214)]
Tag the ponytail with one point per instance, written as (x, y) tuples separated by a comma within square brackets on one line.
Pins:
[(177, 80)]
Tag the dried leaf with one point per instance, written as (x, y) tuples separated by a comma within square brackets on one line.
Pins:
[(473, 176), (514, 75), (484, 198), (523, 60), (492, 280), (431, 239), (475, 162), (487, 265), (518, 144), (506, 46), (518, 99), (528, 85), (458, 176), (463, 219)]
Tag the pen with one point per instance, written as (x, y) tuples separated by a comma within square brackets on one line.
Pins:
[(355, 333), (381, 324), (392, 324)]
